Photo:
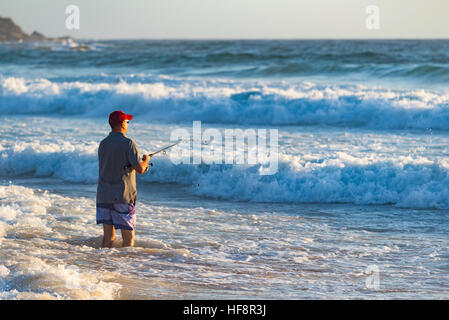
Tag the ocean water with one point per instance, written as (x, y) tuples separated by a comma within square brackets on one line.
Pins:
[(358, 207)]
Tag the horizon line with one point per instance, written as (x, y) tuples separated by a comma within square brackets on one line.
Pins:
[(248, 39)]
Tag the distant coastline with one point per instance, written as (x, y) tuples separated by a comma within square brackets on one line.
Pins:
[(10, 31)]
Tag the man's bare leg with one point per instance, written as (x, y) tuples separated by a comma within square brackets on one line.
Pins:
[(108, 235), (128, 238)]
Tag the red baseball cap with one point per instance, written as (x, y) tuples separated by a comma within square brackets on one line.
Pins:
[(118, 117)]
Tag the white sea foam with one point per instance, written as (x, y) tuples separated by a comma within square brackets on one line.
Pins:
[(407, 181), (28, 217), (270, 103), (70, 162), (68, 44), (39, 280), (233, 252), (4, 271)]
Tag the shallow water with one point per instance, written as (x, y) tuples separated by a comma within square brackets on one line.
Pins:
[(195, 248)]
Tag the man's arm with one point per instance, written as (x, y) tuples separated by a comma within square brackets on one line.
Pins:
[(142, 167)]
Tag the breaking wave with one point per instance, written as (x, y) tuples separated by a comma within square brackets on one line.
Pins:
[(412, 182), (232, 102)]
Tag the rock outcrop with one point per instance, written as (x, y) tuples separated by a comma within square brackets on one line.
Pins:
[(9, 31)]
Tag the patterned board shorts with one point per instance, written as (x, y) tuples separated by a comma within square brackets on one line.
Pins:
[(121, 216)]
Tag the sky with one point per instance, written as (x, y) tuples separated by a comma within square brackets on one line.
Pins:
[(233, 19)]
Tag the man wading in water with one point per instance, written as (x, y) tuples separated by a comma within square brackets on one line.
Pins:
[(118, 161)]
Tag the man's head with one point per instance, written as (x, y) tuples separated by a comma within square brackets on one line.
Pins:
[(118, 121)]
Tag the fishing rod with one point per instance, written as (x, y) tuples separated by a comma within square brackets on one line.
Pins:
[(155, 153), (163, 149)]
